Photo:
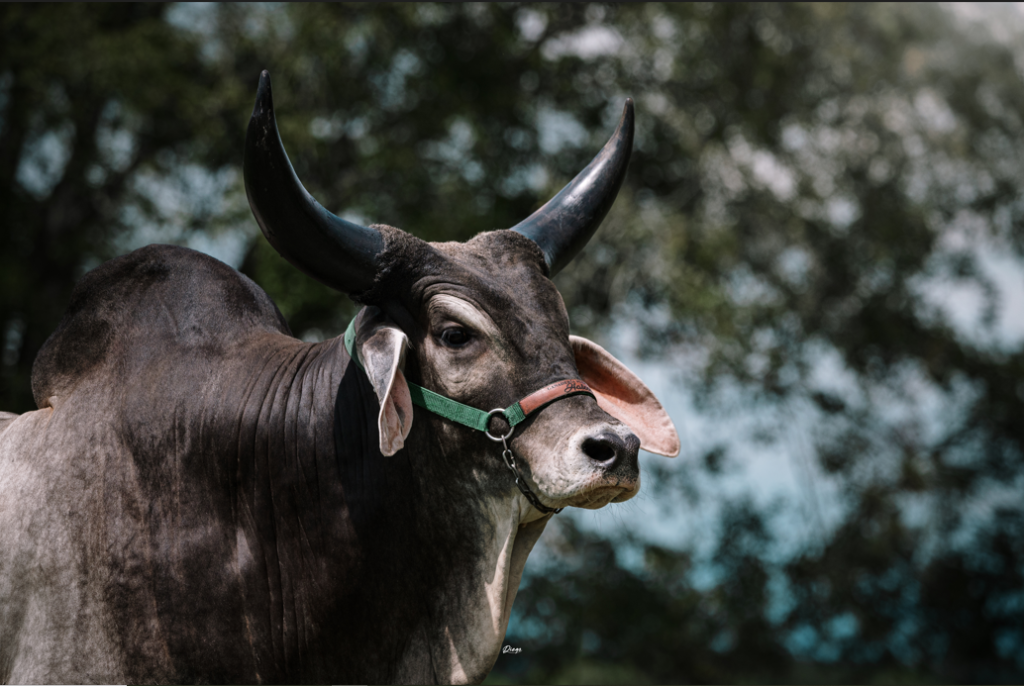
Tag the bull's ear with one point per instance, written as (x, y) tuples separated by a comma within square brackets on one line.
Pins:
[(382, 347), (622, 395)]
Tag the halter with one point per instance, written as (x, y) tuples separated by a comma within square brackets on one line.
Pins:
[(479, 420)]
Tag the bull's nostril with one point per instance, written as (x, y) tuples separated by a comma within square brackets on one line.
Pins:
[(604, 449)]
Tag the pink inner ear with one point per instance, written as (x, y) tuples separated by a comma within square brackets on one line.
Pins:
[(395, 420), (622, 395), (382, 349)]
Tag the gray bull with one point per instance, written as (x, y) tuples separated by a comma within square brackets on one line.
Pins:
[(201, 497)]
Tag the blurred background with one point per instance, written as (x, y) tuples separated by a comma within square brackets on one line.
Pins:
[(816, 261)]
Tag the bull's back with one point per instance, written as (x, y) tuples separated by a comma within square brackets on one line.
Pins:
[(138, 307)]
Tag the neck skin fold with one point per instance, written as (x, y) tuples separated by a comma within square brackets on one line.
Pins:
[(428, 546)]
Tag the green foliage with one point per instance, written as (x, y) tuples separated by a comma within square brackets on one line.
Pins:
[(809, 182)]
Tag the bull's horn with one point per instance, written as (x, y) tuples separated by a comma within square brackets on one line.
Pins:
[(333, 251), (566, 222)]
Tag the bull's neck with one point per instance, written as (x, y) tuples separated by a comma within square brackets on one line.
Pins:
[(419, 554), (460, 637), (449, 535)]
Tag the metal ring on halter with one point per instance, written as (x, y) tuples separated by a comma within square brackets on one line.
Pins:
[(498, 439)]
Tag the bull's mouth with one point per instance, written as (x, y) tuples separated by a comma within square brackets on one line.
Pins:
[(605, 489)]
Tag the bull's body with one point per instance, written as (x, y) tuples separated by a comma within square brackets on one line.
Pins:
[(203, 498), (202, 489)]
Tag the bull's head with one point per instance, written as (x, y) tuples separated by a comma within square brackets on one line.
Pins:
[(479, 322)]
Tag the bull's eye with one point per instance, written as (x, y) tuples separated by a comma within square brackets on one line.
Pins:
[(455, 337)]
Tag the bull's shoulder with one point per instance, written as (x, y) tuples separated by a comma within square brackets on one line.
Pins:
[(156, 297)]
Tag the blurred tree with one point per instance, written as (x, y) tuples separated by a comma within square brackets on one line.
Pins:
[(809, 182), (91, 99), (588, 618), (810, 186)]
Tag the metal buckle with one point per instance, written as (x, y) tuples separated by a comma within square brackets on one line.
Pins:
[(498, 439)]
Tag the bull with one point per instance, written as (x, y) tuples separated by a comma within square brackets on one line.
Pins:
[(201, 497)]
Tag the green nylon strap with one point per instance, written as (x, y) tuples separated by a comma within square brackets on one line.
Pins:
[(350, 343), (514, 414), (442, 405), (448, 408)]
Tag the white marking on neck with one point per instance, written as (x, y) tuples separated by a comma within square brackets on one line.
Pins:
[(472, 641)]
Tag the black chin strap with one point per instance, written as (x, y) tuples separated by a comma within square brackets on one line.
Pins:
[(510, 462)]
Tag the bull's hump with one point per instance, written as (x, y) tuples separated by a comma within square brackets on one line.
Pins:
[(140, 304)]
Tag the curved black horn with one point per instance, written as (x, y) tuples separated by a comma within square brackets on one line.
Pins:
[(333, 251), (566, 222)]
